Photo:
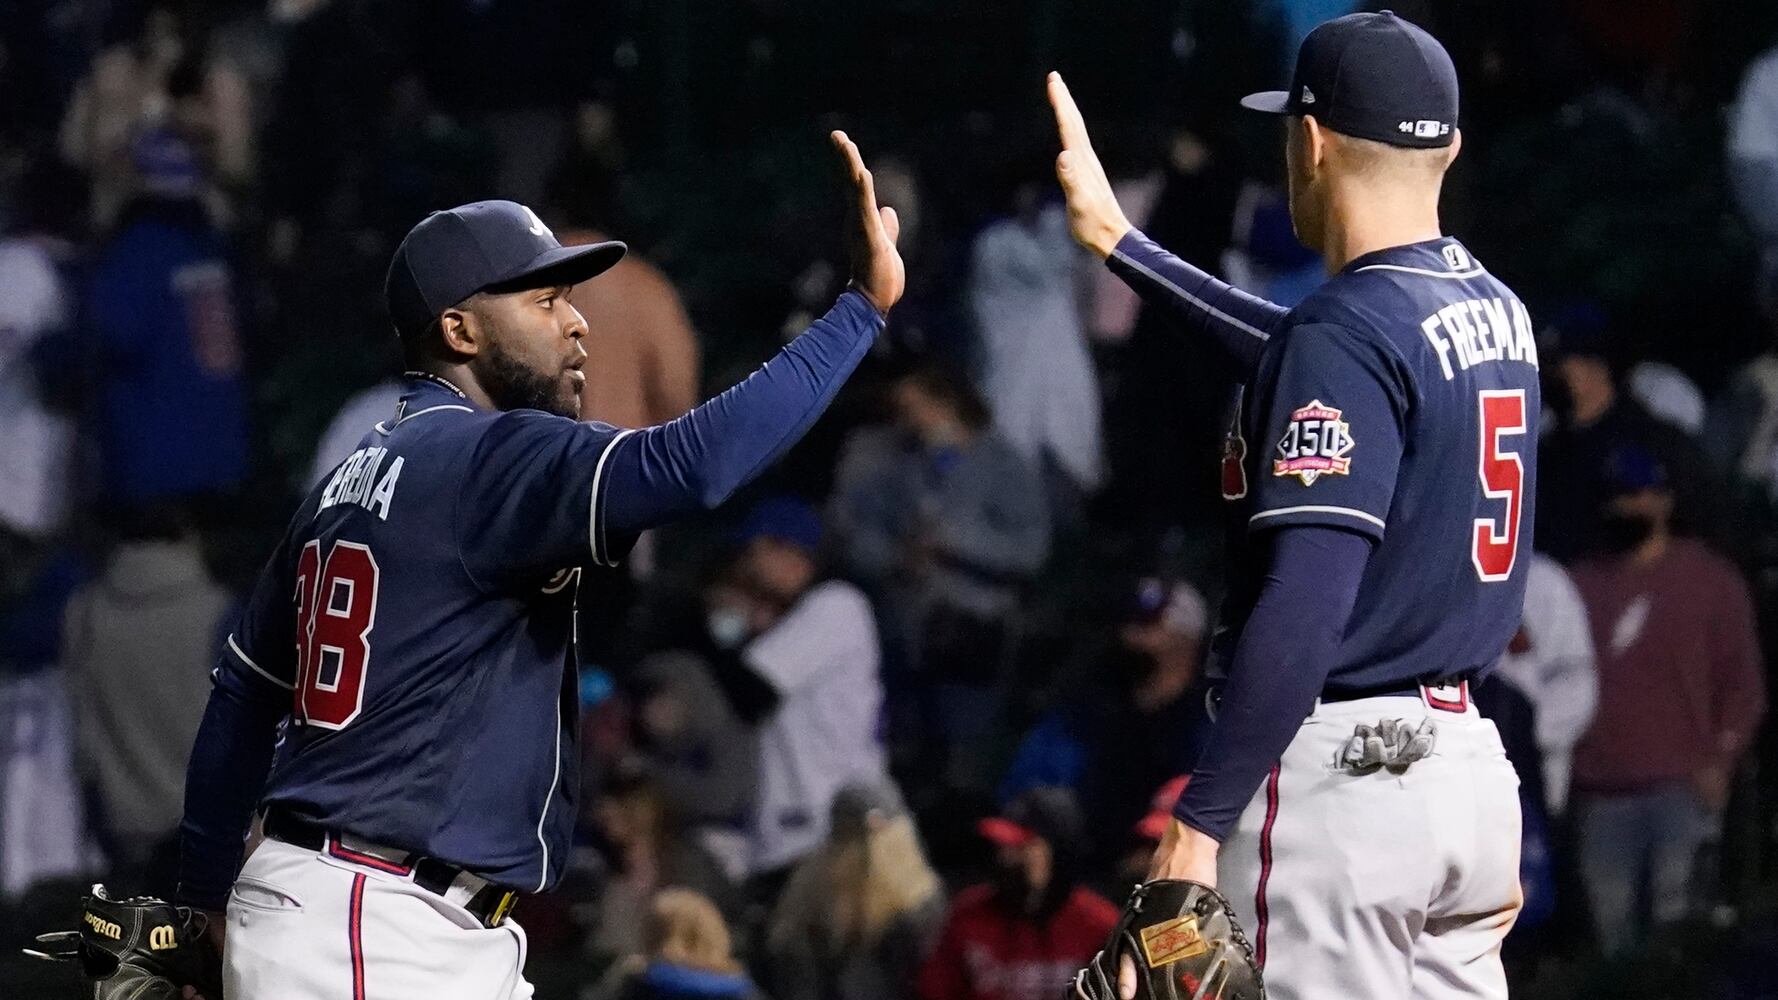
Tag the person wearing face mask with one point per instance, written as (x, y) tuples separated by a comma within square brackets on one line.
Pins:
[(1017, 935), (1583, 371), (1137, 719), (804, 670), (1681, 695)]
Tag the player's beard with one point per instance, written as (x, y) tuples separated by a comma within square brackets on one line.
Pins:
[(513, 385)]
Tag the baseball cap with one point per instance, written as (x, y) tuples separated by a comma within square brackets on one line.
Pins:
[(483, 245), (1631, 468), (1373, 76), (1160, 809), (785, 518), (1047, 813)]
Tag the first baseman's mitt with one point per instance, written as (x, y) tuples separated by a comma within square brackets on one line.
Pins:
[(1185, 944), (136, 949)]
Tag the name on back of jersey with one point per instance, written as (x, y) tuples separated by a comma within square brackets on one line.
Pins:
[(1468, 333), (361, 480)]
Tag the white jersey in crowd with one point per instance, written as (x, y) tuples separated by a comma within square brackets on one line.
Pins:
[(1554, 668), (822, 658)]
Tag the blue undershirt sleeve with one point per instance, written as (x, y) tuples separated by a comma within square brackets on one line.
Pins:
[(1239, 322), (224, 780), (1281, 663)]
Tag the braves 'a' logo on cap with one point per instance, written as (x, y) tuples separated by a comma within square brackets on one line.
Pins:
[(1316, 444), (537, 226)]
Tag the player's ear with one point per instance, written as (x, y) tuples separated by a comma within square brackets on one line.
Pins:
[(1456, 147), (1314, 143), (460, 331)]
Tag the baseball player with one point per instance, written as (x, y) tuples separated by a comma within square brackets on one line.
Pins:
[(1379, 472), (404, 670)]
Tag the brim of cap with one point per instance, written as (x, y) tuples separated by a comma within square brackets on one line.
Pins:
[(1272, 102), (563, 266), (1005, 832)]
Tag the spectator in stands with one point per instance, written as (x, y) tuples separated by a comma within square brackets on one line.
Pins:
[(355, 419), (1550, 662), (34, 307), (1035, 370), (642, 354), (138, 644), (805, 672), (647, 850), (160, 300), (1595, 417), (947, 533), (1137, 719), (858, 915), (1034, 925), (1681, 695), (157, 74), (42, 821), (686, 954)]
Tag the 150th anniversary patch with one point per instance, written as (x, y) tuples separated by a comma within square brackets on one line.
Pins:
[(1317, 443)]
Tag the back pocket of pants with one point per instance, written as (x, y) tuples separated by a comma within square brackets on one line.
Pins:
[(256, 894)]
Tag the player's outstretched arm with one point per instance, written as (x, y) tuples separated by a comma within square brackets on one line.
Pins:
[(1239, 322), (699, 460)]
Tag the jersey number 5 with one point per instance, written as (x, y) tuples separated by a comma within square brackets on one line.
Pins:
[(336, 607), (1495, 544)]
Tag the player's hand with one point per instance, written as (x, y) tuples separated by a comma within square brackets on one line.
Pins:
[(1093, 213), (871, 232), (1184, 853)]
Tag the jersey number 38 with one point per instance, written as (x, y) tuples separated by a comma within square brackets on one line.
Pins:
[(1494, 546), (336, 607)]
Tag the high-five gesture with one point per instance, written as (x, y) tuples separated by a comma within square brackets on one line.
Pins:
[(877, 270), (1093, 213)]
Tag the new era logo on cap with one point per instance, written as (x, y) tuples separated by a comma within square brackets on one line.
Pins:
[(1374, 76)]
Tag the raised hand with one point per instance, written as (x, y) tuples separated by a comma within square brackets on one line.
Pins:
[(871, 231), (1093, 213)]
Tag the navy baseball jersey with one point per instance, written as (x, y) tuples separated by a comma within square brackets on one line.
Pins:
[(421, 611), (415, 628), (1400, 401)]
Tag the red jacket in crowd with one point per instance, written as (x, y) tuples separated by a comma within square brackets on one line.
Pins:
[(988, 952)]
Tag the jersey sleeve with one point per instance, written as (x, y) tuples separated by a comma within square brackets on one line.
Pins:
[(1332, 426), (531, 498), (262, 645)]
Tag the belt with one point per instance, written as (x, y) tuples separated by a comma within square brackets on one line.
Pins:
[(488, 902), (1447, 694)]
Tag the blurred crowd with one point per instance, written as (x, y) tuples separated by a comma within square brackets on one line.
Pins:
[(906, 719)]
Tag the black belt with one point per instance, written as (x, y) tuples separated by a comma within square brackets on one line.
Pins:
[(1411, 689), (491, 904)]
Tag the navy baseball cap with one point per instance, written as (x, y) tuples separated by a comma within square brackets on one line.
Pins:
[(1373, 76), (484, 245)]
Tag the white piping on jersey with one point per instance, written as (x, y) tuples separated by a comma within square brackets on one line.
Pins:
[(232, 644), (1474, 272), (594, 528), (1318, 509), (1193, 299), (555, 734), (380, 429)]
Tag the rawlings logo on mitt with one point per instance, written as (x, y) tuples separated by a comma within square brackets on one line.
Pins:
[(1183, 944), (136, 949)]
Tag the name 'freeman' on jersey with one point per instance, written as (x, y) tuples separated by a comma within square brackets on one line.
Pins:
[(1478, 330), (357, 482)]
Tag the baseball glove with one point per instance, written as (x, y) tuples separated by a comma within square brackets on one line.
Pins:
[(1183, 940), (136, 949)]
